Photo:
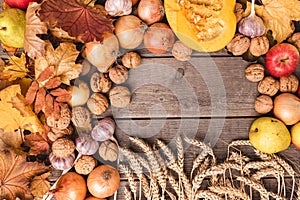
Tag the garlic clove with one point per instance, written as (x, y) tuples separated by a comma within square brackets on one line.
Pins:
[(104, 130), (86, 145), (62, 163), (252, 26)]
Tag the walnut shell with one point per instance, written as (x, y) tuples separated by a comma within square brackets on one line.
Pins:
[(108, 150), (131, 59), (56, 133), (85, 164), (97, 103), (295, 40), (63, 147), (238, 45), (118, 74), (268, 86), (64, 120), (238, 11), (100, 82), (255, 72), (81, 117), (289, 83), (181, 52), (119, 96), (263, 104), (259, 46)]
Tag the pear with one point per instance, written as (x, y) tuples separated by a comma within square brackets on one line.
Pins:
[(269, 135), (12, 27)]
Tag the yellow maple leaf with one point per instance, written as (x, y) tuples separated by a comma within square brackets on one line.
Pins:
[(39, 186), (16, 67), (15, 114), (277, 16), (63, 59)]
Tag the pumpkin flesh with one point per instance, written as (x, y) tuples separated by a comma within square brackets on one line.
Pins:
[(203, 25)]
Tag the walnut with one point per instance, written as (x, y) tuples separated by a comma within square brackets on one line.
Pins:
[(238, 45), (259, 46), (97, 103), (62, 122), (131, 59), (181, 52), (118, 74), (63, 147), (100, 82), (255, 72), (263, 104), (289, 83), (238, 10), (56, 133), (295, 40), (85, 164), (108, 150), (119, 96), (268, 86), (81, 117)]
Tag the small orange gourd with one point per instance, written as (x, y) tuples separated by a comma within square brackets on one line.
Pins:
[(203, 25)]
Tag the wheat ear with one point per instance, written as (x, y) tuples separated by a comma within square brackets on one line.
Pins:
[(154, 188), (127, 193), (205, 194), (145, 186), (255, 185), (175, 186), (197, 161), (180, 152), (130, 178), (233, 193)]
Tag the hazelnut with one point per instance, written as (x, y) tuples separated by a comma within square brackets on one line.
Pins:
[(100, 82), (63, 147), (119, 96), (259, 46), (238, 45), (289, 83), (118, 74), (108, 150), (268, 86), (81, 117), (85, 164), (181, 52), (263, 104), (131, 59), (255, 72), (97, 103)]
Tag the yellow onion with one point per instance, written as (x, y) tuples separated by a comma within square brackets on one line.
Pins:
[(80, 94)]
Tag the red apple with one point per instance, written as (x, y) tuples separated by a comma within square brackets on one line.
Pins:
[(295, 133), (22, 4), (282, 59)]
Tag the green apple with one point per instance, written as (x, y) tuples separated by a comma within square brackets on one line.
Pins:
[(269, 135), (12, 27), (295, 132)]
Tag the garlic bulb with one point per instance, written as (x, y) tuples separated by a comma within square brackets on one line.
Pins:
[(252, 26), (86, 145), (62, 163), (118, 7), (104, 130)]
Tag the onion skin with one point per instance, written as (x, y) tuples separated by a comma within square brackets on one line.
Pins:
[(151, 11), (94, 198), (70, 186), (287, 108), (103, 181), (130, 31), (159, 38)]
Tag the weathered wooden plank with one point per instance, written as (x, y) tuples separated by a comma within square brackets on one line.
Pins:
[(203, 87)]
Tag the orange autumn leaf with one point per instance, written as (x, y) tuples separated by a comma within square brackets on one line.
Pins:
[(16, 68), (15, 175), (38, 143), (14, 112), (39, 186)]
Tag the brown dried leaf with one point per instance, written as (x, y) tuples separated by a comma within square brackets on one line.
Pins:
[(63, 59), (37, 142), (46, 74), (33, 45), (49, 107), (83, 22), (14, 112), (64, 98), (59, 92), (15, 175), (16, 68), (11, 140), (40, 100), (31, 93), (56, 110), (53, 83), (39, 185)]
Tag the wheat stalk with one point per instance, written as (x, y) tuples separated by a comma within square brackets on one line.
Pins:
[(298, 191), (130, 178), (257, 165), (180, 152), (154, 188), (255, 185), (230, 191), (266, 172), (127, 193), (175, 186)]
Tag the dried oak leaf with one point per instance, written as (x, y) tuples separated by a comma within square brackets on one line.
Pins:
[(277, 16), (15, 114), (15, 175), (33, 45), (39, 185), (11, 140), (16, 67), (63, 59), (85, 23), (38, 143)]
